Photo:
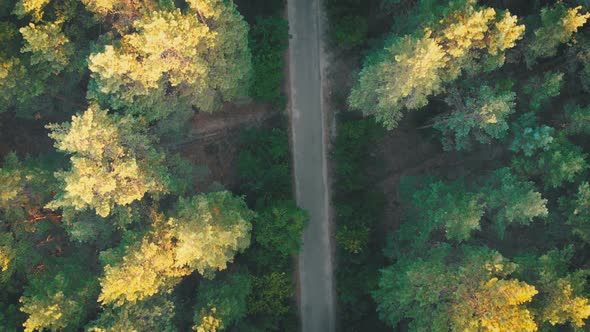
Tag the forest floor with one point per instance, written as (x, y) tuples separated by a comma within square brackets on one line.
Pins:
[(24, 136), (403, 151), (214, 140)]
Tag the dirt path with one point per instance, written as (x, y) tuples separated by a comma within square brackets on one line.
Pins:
[(316, 296)]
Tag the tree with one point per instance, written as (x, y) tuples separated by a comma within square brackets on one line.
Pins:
[(30, 7), (482, 115), (60, 298), (112, 162), (578, 211), (353, 238), (16, 85), (466, 289), (279, 228), (414, 67), (152, 314), (558, 24), (25, 187), (172, 61), (448, 207), (350, 31), (562, 297), (121, 13), (7, 257), (451, 208), (206, 232), (510, 200), (529, 137), (541, 90), (264, 165), (40, 74), (577, 119), (271, 294), (224, 299), (561, 162), (268, 40), (48, 45)]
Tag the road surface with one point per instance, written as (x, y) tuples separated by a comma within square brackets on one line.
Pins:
[(309, 154)]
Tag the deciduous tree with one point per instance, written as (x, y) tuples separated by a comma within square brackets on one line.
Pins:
[(558, 24), (414, 67), (205, 234), (112, 162), (172, 61), (466, 289), (223, 299)]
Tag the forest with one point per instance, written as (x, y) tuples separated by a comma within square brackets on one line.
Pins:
[(459, 163), (102, 224)]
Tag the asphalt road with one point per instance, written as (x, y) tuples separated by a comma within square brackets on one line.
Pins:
[(309, 154)]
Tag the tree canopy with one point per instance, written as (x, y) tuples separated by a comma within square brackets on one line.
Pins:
[(112, 162), (464, 38)]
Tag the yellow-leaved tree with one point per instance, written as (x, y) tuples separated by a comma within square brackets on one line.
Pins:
[(455, 289), (559, 23), (411, 68), (205, 233), (112, 162), (173, 61)]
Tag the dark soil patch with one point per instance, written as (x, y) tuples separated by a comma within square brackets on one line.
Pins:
[(23, 136)]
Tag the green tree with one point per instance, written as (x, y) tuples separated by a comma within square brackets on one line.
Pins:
[(61, 297), (223, 298), (466, 289), (414, 67), (264, 165), (558, 24), (562, 162), (271, 295), (206, 232), (510, 200), (479, 113), (451, 208), (529, 137), (112, 162), (279, 228), (540, 90), (448, 207), (25, 187), (16, 84), (562, 298), (268, 40), (350, 31), (155, 313), (577, 119), (578, 211)]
